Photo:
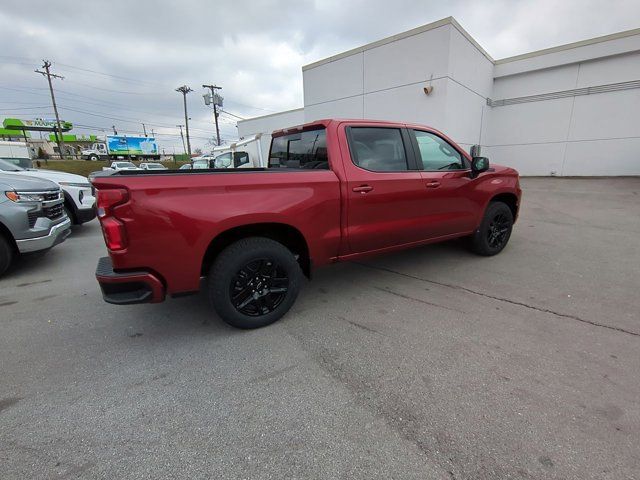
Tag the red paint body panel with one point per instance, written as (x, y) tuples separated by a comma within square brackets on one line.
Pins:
[(171, 218)]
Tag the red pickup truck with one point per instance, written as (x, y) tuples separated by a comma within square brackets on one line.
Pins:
[(334, 190)]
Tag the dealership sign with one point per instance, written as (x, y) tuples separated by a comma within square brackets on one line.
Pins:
[(37, 124)]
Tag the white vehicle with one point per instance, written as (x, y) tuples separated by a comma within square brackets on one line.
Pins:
[(79, 202), (245, 153), (117, 166), (203, 161), (152, 166), (122, 147), (18, 151)]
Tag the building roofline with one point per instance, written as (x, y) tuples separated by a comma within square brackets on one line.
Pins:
[(400, 36), (569, 46), (271, 114)]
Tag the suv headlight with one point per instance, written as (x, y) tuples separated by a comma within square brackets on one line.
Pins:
[(24, 197)]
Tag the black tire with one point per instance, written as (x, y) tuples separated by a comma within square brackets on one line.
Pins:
[(495, 230), (6, 254), (70, 214), (94, 158), (242, 275)]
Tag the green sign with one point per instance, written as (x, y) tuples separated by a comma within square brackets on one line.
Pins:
[(37, 124)]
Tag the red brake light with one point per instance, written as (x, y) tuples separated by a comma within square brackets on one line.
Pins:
[(107, 199), (112, 228)]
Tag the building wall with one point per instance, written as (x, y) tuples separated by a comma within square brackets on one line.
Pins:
[(596, 134)]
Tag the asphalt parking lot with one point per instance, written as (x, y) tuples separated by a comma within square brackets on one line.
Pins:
[(430, 363)]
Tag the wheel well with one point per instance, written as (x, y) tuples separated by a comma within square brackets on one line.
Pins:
[(4, 232), (510, 200), (287, 235), (68, 202)]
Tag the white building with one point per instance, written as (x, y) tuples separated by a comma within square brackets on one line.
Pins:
[(567, 110)]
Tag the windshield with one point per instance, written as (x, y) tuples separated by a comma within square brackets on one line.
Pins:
[(7, 166), (21, 163), (155, 166), (125, 164)]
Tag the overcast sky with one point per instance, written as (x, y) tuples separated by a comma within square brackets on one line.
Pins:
[(122, 60)]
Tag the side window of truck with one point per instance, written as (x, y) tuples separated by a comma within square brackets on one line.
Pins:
[(436, 153), (378, 149), (303, 150)]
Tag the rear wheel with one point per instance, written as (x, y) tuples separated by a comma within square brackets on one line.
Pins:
[(495, 230), (6, 254), (254, 282)]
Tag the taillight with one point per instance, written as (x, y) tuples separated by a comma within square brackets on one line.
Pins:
[(112, 228)]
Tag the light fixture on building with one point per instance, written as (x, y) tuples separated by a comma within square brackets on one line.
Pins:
[(429, 88)]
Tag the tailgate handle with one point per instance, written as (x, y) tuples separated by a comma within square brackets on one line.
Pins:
[(363, 188)]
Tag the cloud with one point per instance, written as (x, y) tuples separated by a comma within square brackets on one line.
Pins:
[(253, 49)]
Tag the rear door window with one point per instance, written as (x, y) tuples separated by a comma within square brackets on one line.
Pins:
[(303, 150), (378, 149)]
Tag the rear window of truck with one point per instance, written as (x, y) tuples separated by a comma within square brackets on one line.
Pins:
[(303, 150)]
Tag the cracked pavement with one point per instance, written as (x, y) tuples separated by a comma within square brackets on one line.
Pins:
[(429, 363)]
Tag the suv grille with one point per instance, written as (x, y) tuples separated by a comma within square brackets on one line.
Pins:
[(52, 213)]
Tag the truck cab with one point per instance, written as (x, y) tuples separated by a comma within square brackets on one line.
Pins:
[(97, 151)]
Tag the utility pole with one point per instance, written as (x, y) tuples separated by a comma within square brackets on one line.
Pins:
[(114, 129), (214, 100), (144, 129), (182, 136), (46, 64), (184, 90), (153, 133)]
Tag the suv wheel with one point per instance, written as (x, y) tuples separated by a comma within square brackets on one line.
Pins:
[(254, 282), (495, 230), (6, 254)]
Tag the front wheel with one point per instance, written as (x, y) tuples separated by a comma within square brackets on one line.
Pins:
[(254, 282), (495, 230)]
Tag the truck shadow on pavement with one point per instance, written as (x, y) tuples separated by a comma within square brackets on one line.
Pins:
[(194, 315)]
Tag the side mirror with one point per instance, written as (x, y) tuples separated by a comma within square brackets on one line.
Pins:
[(479, 165)]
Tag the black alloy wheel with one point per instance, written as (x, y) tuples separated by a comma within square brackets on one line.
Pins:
[(259, 287), (498, 229)]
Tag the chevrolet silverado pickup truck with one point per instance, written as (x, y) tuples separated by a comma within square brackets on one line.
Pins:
[(333, 190)]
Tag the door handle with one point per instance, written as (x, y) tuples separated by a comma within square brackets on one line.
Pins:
[(363, 188), (433, 184)]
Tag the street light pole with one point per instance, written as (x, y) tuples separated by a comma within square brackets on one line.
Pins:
[(184, 90)]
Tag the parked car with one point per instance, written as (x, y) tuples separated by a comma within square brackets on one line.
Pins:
[(32, 217), (186, 166), (152, 166), (334, 190), (79, 202), (117, 166)]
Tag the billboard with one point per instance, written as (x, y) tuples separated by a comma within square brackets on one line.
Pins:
[(122, 145)]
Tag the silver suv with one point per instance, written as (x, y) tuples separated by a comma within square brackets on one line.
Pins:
[(32, 217)]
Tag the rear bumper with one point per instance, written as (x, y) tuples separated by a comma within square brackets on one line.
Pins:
[(56, 235), (128, 288)]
